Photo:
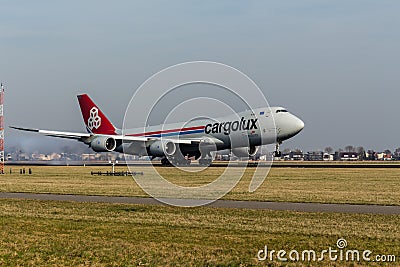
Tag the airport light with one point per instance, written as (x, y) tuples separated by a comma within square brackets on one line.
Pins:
[(1, 130), (113, 164)]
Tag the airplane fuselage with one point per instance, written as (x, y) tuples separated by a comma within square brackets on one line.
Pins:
[(245, 129)]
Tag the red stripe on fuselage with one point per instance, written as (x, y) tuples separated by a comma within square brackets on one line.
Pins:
[(169, 131)]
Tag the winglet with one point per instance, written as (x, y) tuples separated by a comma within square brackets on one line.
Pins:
[(96, 122)]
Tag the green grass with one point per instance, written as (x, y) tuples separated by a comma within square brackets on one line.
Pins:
[(326, 185), (49, 233)]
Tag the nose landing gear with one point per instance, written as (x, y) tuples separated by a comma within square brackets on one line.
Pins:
[(277, 153)]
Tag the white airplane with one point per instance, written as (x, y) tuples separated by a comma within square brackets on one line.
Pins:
[(243, 133)]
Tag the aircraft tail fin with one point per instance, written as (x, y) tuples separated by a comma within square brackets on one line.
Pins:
[(96, 122)]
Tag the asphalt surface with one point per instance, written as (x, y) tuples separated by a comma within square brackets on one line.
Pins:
[(255, 205), (276, 164)]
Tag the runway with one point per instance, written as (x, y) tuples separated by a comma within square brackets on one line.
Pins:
[(224, 164), (255, 205)]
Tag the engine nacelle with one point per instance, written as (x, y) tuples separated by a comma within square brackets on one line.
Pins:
[(245, 152), (162, 148), (103, 144)]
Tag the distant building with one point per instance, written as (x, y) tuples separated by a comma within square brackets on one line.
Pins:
[(383, 156), (387, 156), (23, 156), (314, 156), (346, 156), (396, 155), (328, 157), (370, 155), (296, 155), (54, 156), (88, 157)]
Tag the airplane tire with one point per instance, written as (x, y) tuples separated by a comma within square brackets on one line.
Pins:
[(205, 162), (165, 162)]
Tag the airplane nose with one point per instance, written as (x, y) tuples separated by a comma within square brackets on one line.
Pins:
[(296, 125), (288, 126), (299, 125)]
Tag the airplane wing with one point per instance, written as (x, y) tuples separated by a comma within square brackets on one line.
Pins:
[(68, 135), (85, 136)]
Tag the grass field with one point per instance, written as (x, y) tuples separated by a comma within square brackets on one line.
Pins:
[(51, 233), (326, 185), (44, 233)]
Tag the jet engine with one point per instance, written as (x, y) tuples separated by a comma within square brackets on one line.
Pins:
[(103, 144), (245, 152), (162, 148)]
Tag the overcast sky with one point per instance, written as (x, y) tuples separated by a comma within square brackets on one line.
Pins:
[(335, 64)]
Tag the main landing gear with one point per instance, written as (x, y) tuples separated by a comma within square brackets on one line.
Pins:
[(205, 161), (179, 161), (165, 162), (176, 161), (205, 158)]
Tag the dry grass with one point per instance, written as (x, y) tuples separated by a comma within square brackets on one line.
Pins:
[(54, 233), (50, 233), (361, 186), (357, 186)]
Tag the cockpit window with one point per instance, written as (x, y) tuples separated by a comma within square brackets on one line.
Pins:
[(281, 110)]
